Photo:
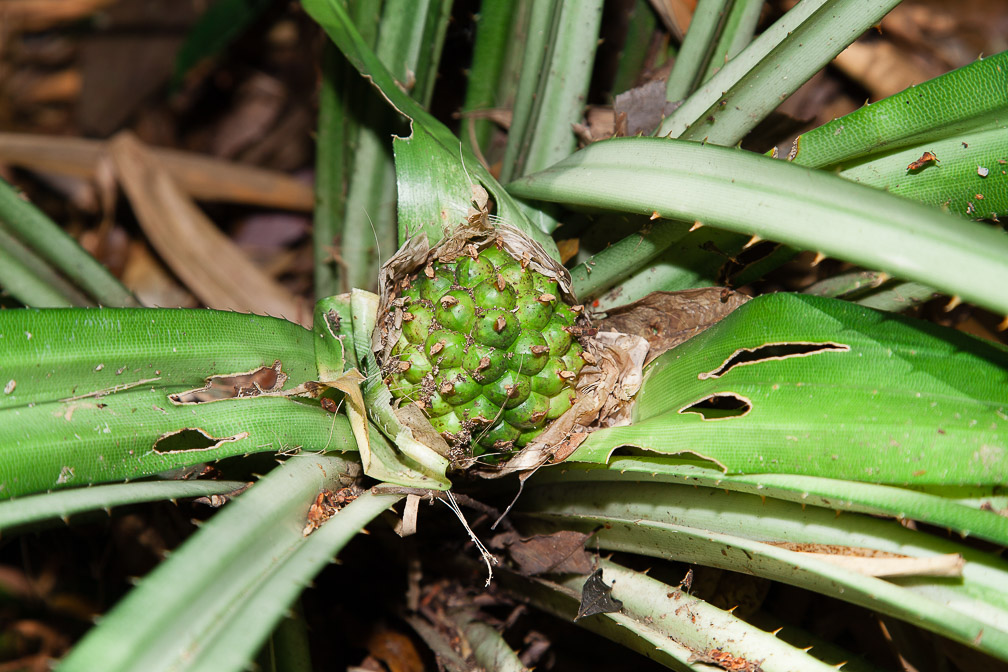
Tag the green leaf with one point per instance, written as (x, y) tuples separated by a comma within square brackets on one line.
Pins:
[(29, 512), (618, 261), (897, 297), (333, 18), (490, 48), (423, 170), (745, 534), (658, 603), (334, 350), (700, 41), (943, 107), (332, 169), (212, 603), (88, 392), (29, 279), (411, 462), (739, 26), (783, 58), (141, 432), (59, 354), (654, 623), (488, 646), (416, 32), (539, 26), (806, 209), (552, 91), (965, 514), (695, 260), (40, 234), (641, 25), (222, 23), (826, 388), (969, 178)]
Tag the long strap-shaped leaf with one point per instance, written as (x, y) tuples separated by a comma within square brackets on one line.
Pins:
[(822, 387), (41, 234), (741, 533), (333, 18), (969, 515), (62, 353), (660, 621), (943, 107), (37, 510), (86, 393), (808, 209), (213, 601), (783, 58)]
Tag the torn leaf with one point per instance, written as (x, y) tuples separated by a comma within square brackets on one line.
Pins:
[(333, 352), (596, 598), (191, 439), (262, 380)]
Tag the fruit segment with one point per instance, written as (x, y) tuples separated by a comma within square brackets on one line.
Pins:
[(489, 350)]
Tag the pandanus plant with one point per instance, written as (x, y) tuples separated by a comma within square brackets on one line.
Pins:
[(815, 439)]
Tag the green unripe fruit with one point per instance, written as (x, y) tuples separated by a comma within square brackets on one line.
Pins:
[(487, 350), (445, 349), (497, 328), (470, 272), (456, 311), (418, 320), (489, 295), (529, 353)]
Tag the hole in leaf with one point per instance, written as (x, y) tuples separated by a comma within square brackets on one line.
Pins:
[(663, 456), (720, 406), (772, 351), (248, 384), (192, 439)]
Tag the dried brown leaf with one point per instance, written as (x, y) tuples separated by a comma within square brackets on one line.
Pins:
[(558, 553), (644, 107), (210, 264), (666, 319), (596, 598), (203, 178)]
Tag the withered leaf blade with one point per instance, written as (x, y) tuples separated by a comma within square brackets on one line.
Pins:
[(596, 598), (558, 553), (644, 107), (667, 319)]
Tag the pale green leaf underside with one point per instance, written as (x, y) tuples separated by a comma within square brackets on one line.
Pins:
[(806, 209), (740, 532), (968, 511), (214, 600)]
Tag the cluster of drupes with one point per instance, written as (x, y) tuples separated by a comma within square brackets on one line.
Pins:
[(488, 350)]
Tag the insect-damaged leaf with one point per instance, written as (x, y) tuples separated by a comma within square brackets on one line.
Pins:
[(596, 598)]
